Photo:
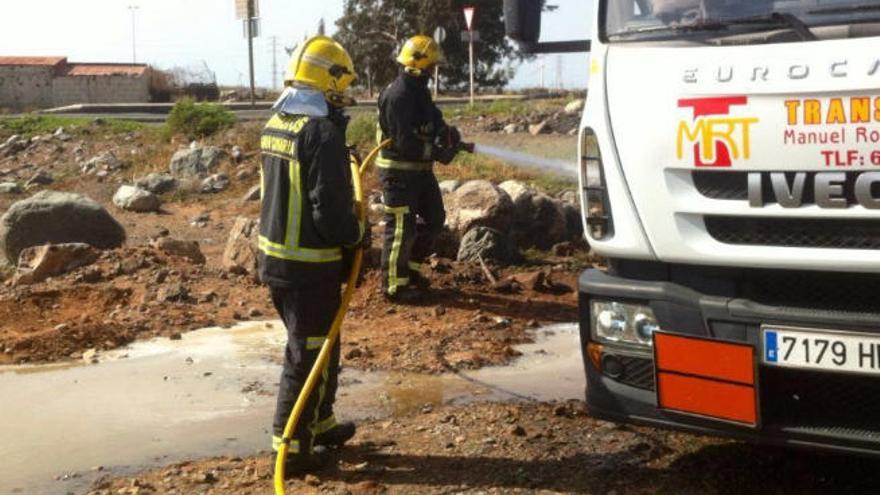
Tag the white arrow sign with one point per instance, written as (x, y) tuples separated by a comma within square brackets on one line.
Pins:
[(469, 17)]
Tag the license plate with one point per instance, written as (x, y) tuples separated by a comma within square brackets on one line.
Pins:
[(821, 350)]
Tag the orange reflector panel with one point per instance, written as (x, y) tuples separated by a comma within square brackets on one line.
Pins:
[(707, 398), (705, 358)]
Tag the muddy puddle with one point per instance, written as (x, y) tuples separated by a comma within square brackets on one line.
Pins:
[(212, 393)]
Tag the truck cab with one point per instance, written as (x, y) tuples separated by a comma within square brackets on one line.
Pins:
[(730, 175)]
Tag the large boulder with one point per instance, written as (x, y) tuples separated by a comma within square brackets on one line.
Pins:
[(38, 263), (478, 203), (51, 217), (240, 255), (489, 244), (539, 220), (574, 107), (135, 199), (196, 161), (157, 183)]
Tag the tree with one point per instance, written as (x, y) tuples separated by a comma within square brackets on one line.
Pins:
[(373, 31)]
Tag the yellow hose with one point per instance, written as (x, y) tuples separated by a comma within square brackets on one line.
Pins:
[(357, 170)]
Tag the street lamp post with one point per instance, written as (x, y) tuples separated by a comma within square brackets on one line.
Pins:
[(133, 9)]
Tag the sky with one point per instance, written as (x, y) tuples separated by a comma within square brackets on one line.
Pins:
[(194, 33)]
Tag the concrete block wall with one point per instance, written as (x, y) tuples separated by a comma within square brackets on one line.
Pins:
[(70, 90), (26, 87)]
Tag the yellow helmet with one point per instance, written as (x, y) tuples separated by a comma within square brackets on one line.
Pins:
[(420, 53), (322, 64)]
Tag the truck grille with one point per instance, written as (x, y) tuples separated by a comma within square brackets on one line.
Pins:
[(825, 404), (638, 372), (795, 232), (822, 291)]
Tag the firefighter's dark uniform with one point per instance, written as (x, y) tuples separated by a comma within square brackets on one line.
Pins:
[(414, 214), (306, 220)]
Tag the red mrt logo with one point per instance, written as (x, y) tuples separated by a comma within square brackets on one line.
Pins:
[(716, 137)]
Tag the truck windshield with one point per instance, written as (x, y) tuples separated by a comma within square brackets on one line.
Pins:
[(638, 20)]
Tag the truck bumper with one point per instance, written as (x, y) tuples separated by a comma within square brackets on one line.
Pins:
[(800, 408)]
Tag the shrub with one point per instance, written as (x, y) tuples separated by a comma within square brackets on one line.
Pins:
[(362, 131), (197, 120)]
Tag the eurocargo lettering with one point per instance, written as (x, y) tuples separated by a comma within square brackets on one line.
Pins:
[(730, 174)]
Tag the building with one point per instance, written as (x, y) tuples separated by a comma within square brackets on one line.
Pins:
[(43, 82)]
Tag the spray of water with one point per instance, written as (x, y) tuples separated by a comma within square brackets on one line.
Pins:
[(517, 158)]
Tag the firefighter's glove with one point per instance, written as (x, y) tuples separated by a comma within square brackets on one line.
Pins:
[(449, 137), (444, 155)]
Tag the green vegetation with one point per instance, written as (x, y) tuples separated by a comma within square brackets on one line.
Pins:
[(197, 120), (504, 107), (362, 131), (34, 125)]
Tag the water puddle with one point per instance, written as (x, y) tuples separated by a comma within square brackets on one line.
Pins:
[(213, 393)]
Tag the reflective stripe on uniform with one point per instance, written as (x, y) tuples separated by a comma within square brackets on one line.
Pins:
[(325, 425), (314, 343), (403, 165), (394, 281), (414, 266), (293, 445), (279, 140)]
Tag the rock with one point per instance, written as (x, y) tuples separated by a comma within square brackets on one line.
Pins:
[(490, 244), (519, 192), (13, 146), (479, 203), (157, 183), (106, 162), (244, 173), (37, 263), (184, 249), (10, 188), (41, 178), (574, 107), (240, 255), (51, 217), (236, 153), (540, 128), (90, 356), (195, 161), (540, 223), (512, 128), (570, 197), (563, 249), (135, 199), (173, 293), (214, 184), (253, 194), (449, 186), (574, 222)]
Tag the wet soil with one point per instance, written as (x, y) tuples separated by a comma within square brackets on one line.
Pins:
[(523, 449)]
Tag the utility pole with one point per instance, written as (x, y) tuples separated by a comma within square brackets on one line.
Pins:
[(559, 72), (542, 73), (133, 9), (469, 20), (250, 37), (274, 62)]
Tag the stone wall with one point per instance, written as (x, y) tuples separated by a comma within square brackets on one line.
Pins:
[(26, 87), (70, 90)]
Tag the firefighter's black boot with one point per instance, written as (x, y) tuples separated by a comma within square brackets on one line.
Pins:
[(301, 464), (336, 436)]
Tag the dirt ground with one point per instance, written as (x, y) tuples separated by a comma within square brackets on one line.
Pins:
[(522, 449), (138, 292)]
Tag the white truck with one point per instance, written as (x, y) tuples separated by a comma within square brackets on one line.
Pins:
[(730, 174)]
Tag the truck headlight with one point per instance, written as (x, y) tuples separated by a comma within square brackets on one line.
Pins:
[(594, 193), (616, 322)]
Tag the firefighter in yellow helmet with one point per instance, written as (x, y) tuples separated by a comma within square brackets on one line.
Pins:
[(307, 224), (414, 213)]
